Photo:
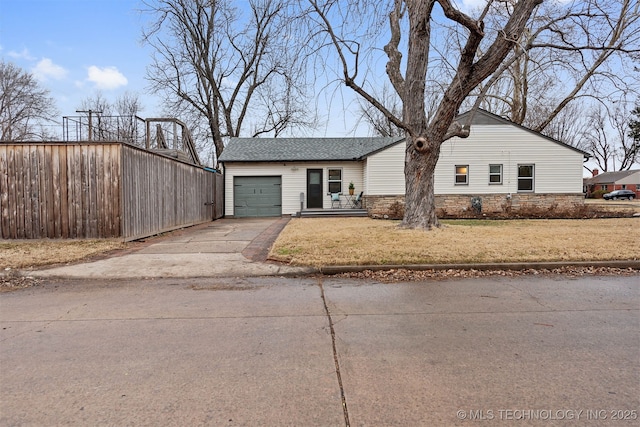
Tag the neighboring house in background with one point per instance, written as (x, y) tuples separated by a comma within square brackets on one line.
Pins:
[(501, 165), (611, 181)]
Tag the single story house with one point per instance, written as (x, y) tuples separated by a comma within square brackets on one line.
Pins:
[(610, 181), (500, 164)]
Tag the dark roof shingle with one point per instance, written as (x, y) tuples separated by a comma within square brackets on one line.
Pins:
[(303, 149), (610, 177)]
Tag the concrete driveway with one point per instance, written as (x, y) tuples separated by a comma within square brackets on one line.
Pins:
[(226, 247), (533, 350)]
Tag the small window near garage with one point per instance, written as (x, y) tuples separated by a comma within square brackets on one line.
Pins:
[(335, 180), (495, 174), (637, 187), (525, 177), (624, 186), (462, 174)]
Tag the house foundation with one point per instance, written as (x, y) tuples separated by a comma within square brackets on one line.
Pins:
[(466, 205)]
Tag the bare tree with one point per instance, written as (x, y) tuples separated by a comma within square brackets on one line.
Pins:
[(378, 122), (566, 56), (597, 140), (114, 121), (568, 126), (628, 149), (24, 105), (412, 20), (607, 30), (609, 138), (219, 62), (128, 108)]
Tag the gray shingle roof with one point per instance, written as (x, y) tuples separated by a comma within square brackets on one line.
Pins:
[(302, 149), (610, 177)]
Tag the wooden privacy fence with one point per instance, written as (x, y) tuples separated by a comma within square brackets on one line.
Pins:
[(101, 190)]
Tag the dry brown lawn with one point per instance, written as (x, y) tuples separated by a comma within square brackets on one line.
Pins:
[(364, 241), (18, 254)]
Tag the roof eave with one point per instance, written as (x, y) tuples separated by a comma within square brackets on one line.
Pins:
[(354, 159)]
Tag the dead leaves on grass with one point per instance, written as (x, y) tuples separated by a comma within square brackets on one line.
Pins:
[(404, 275), (12, 282)]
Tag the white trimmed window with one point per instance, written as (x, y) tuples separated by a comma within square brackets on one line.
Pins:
[(462, 174), (526, 178), (335, 180), (495, 174)]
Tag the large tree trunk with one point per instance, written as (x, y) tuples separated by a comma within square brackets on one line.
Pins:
[(420, 156), (420, 203)]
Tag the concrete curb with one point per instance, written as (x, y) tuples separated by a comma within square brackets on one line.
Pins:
[(301, 271), (329, 270)]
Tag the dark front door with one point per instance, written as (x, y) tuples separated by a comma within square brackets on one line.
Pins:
[(314, 188)]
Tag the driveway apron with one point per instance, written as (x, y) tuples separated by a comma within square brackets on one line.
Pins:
[(226, 247)]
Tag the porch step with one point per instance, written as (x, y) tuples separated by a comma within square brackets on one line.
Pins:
[(311, 213)]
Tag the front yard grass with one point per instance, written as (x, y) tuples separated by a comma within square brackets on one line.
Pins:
[(17, 254), (364, 241)]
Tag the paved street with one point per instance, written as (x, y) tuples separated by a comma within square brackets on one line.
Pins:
[(313, 351)]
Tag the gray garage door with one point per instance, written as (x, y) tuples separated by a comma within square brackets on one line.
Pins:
[(257, 196)]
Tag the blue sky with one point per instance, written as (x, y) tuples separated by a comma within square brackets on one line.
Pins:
[(78, 47)]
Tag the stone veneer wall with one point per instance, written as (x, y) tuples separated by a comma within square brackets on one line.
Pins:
[(461, 204)]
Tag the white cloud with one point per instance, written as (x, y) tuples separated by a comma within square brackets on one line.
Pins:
[(106, 78), (21, 55), (46, 69)]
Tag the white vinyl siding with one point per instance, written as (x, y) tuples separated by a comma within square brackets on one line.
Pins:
[(385, 171), (558, 169), (294, 180)]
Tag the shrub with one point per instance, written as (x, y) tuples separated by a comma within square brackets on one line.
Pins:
[(396, 210), (527, 211), (598, 194)]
